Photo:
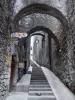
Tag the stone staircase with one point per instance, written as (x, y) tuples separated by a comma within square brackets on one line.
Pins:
[(39, 88)]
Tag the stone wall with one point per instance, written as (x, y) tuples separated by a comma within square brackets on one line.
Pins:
[(45, 58), (63, 61), (71, 21), (4, 47)]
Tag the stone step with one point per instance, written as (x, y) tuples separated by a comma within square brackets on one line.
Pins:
[(38, 81), (41, 98), (37, 70), (40, 89), (38, 75), (37, 78), (48, 93), (39, 85)]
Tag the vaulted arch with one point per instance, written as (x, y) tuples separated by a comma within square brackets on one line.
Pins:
[(44, 29), (43, 9)]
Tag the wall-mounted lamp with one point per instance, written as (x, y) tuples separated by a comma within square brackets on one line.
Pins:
[(37, 41)]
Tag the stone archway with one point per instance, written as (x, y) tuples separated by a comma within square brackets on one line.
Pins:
[(47, 30), (50, 35), (42, 9)]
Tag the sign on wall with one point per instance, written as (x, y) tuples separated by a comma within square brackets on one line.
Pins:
[(8, 59), (19, 34)]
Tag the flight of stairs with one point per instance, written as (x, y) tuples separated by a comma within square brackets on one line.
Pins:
[(39, 88)]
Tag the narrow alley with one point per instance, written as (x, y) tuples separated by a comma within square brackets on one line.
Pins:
[(37, 50)]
